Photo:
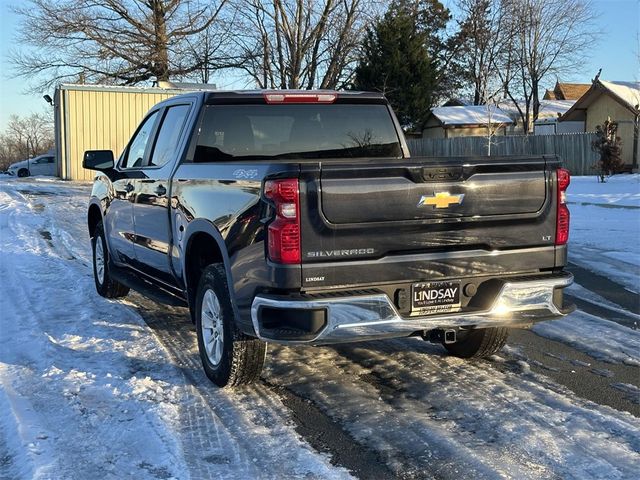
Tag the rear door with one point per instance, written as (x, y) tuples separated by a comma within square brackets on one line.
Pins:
[(50, 168), (413, 216), (151, 207)]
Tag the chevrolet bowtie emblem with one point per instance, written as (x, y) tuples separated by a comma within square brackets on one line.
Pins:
[(441, 200)]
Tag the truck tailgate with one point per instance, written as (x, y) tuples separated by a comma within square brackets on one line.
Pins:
[(426, 218)]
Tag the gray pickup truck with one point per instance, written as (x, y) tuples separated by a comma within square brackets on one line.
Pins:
[(299, 217)]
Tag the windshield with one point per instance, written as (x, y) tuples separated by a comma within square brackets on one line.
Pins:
[(296, 131)]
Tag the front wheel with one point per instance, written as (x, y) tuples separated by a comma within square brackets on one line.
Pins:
[(478, 342), (23, 172), (229, 357), (105, 284)]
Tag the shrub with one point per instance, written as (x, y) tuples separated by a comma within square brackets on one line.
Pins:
[(609, 146)]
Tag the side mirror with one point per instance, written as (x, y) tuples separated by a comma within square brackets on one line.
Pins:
[(101, 160)]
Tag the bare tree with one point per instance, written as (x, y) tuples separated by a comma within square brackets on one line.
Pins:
[(110, 41), (213, 49), (548, 38), (25, 137), (483, 28), (301, 43)]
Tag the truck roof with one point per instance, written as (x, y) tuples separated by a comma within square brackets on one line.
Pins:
[(258, 96)]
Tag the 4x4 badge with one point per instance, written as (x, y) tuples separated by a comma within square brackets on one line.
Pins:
[(441, 200)]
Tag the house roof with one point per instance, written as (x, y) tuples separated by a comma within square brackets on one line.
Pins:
[(549, 109), (626, 93), (566, 91), (470, 115), (571, 91)]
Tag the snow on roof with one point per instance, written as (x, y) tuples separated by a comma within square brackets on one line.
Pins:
[(471, 115), (548, 108), (628, 92), (554, 107)]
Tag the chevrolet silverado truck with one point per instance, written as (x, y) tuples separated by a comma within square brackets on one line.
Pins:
[(299, 217)]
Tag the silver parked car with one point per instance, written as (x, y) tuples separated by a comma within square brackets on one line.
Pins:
[(42, 165)]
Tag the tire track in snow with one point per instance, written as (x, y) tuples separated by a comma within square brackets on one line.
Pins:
[(176, 333), (502, 424)]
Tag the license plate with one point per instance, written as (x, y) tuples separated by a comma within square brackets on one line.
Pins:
[(435, 297)]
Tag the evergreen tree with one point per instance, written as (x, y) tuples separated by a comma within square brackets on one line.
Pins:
[(408, 57)]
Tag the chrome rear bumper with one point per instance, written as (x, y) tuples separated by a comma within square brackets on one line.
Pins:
[(364, 317)]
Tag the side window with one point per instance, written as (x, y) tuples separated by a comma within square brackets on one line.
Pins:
[(135, 153), (169, 135), (50, 160)]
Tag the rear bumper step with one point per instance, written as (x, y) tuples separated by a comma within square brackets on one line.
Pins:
[(364, 317)]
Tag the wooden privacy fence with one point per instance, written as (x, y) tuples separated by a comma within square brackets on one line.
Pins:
[(573, 148)]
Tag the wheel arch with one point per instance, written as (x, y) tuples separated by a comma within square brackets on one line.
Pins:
[(94, 216), (204, 246)]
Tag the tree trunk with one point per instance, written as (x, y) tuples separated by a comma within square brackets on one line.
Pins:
[(535, 99), (160, 58)]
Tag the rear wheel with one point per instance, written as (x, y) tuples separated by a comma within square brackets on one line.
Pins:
[(229, 357), (105, 285), (23, 172), (478, 342)]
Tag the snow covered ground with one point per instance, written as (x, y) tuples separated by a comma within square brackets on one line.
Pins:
[(605, 239), (605, 226), (89, 389)]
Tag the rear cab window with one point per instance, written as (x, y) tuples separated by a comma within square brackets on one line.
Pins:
[(308, 131)]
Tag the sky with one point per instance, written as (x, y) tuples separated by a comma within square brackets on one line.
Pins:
[(616, 52)]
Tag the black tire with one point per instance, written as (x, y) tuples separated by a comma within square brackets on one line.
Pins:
[(241, 357), (23, 172), (478, 343), (106, 286)]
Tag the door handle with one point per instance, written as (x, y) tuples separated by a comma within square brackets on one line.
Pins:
[(160, 190), (128, 188)]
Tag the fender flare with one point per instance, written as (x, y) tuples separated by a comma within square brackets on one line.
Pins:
[(96, 201), (201, 225)]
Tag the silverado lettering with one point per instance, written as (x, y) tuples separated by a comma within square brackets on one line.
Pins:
[(342, 253), (245, 207)]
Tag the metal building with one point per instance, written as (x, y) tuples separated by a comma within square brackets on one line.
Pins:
[(98, 117)]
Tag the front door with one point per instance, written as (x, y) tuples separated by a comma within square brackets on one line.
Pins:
[(119, 226), (152, 193)]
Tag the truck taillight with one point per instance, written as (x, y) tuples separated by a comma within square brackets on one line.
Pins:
[(283, 234), (299, 97), (562, 218)]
